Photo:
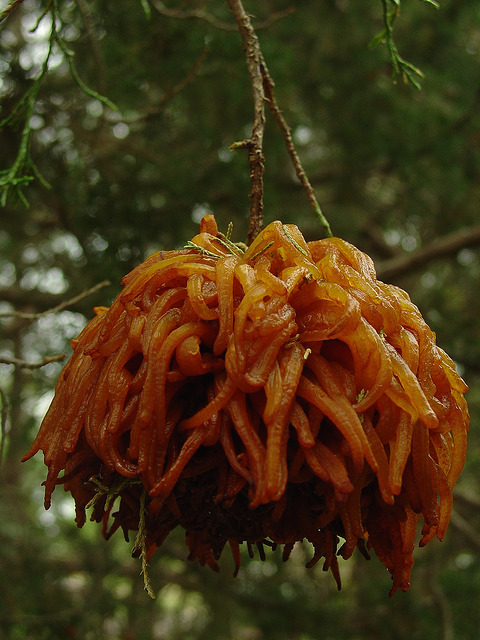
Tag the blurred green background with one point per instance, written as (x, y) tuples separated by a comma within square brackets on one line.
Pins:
[(396, 172)]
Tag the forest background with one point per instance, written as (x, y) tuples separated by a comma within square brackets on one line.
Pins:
[(396, 171)]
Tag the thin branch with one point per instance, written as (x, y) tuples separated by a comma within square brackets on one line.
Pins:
[(59, 307), (10, 9), (439, 248), (26, 364), (255, 143), (257, 66), (292, 152)]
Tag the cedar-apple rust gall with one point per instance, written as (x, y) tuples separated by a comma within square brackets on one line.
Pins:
[(262, 396)]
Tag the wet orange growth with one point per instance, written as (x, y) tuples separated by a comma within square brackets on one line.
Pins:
[(267, 397)]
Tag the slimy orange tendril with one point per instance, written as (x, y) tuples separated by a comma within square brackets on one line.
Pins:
[(268, 396)]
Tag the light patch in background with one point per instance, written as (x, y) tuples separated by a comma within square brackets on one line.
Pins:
[(98, 243), (52, 281), (7, 38), (76, 582), (120, 130), (383, 189), (181, 611), (464, 560), (124, 252), (429, 280), (30, 254), (158, 200), (48, 520), (7, 273), (67, 243), (30, 279), (70, 33), (261, 569), (42, 30), (200, 210), (51, 335), (46, 136), (94, 108), (466, 257), (409, 243), (65, 135), (66, 509), (392, 237), (36, 122), (225, 155), (303, 135), (93, 176), (38, 408)]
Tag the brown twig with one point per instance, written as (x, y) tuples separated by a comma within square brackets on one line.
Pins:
[(255, 143), (59, 307), (439, 248), (292, 152), (259, 73), (10, 9), (25, 364)]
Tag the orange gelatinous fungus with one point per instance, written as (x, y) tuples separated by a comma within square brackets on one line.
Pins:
[(269, 396)]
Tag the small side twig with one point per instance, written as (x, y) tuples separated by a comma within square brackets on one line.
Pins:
[(60, 307)]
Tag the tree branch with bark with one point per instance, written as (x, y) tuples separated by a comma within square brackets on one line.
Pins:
[(28, 316), (439, 248), (263, 91), (254, 144)]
